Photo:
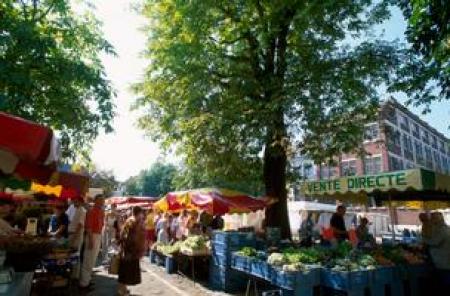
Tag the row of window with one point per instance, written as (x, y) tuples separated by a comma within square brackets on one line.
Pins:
[(413, 128), (372, 166), (419, 153)]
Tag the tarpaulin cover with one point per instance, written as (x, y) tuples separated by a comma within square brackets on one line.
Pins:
[(130, 199), (64, 185), (28, 140), (213, 200)]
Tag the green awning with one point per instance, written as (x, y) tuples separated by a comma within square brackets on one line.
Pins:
[(415, 180)]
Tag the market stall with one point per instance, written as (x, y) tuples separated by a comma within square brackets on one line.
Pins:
[(30, 186), (212, 200)]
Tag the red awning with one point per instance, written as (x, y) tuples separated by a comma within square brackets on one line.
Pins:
[(27, 140), (117, 200)]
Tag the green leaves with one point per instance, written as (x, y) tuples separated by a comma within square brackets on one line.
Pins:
[(233, 84), (425, 75), (157, 181), (50, 70)]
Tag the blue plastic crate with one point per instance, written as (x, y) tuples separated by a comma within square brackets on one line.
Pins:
[(352, 282), (241, 263), (381, 279), (221, 260), (226, 279), (152, 256), (234, 238), (261, 269), (297, 280), (170, 264)]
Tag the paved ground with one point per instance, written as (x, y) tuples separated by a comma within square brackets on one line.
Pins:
[(154, 282)]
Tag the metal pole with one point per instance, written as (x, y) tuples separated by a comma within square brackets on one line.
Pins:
[(391, 214)]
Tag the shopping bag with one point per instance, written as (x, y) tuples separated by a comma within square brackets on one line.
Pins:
[(114, 264)]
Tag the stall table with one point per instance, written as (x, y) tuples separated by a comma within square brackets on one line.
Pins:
[(192, 257)]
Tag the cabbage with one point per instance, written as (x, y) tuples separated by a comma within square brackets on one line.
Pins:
[(276, 259)]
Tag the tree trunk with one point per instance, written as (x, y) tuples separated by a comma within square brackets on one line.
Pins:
[(275, 162)]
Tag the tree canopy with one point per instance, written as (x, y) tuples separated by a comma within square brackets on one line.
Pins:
[(105, 180), (242, 85), (426, 76), (156, 181), (50, 70)]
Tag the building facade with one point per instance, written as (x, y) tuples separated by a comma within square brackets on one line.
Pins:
[(398, 140)]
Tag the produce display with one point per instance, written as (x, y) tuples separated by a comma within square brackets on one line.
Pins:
[(248, 252), (168, 249), (195, 244), (342, 257)]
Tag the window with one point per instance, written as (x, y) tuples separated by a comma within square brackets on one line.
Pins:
[(395, 164), (428, 158), (445, 165), (409, 165), (407, 147), (308, 171), (419, 153), (442, 147), (437, 161), (371, 132), (434, 143), (372, 165), (425, 137), (391, 114), (416, 131), (404, 123), (348, 168), (327, 172), (393, 140)]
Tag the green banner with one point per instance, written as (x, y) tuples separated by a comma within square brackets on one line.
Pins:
[(399, 180)]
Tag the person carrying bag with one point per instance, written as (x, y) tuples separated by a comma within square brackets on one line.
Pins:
[(132, 248)]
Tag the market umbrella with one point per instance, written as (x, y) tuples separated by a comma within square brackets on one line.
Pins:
[(27, 149), (128, 205), (117, 200), (64, 185), (213, 200)]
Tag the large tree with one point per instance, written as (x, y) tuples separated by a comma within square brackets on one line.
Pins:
[(242, 84), (156, 181), (50, 69), (105, 180), (425, 77)]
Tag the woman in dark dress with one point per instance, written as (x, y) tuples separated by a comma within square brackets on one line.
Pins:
[(132, 248)]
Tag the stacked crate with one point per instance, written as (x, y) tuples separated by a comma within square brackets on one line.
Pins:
[(223, 244)]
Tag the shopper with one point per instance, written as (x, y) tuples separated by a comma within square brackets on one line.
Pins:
[(76, 231), (94, 225), (150, 234), (163, 233), (217, 223), (173, 227), (306, 230), (59, 222), (182, 222), (365, 239), (337, 224), (438, 243), (132, 248)]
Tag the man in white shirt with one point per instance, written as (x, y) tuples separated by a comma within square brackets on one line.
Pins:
[(76, 230)]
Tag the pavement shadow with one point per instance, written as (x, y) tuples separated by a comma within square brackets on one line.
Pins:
[(104, 285)]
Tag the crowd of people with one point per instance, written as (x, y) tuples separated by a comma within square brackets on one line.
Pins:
[(168, 228)]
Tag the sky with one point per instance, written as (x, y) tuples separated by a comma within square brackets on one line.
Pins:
[(127, 151)]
